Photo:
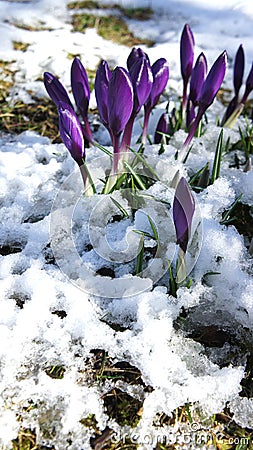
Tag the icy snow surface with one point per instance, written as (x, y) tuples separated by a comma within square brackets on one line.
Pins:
[(51, 317)]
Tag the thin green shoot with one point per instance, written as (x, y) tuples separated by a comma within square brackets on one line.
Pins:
[(217, 158), (173, 283), (139, 263), (122, 210), (136, 177), (227, 217)]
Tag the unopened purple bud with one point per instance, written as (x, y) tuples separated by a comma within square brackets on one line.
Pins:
[(197, 78), (162, 127), (120, 100), (134, 55), (213, 82), (80, 87), (55, 89), (186, 52), (71, 132), (160, 70), (249, 85), (142, 81), (238, 69), (102, 79), (183, 210)]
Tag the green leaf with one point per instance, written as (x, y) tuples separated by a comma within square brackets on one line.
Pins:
[(217, 158), (122, 210), (139, 263)]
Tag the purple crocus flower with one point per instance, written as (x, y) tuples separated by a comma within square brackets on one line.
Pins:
[(249, 86), (162, 127), (81, 92), (102, 79), (134, 55), (80, 86), (209, 90), (237, 80), (238, 69), (213, 82), (197, 78), (186, 59), (183, 210), (120, 106), (160, 70), (142, 80), (71, 132), (55, 89)]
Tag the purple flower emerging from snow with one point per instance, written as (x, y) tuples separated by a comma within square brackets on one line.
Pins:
[(209, 90), (183, 210), (238, 69), (160, 70), (142, 79), (134, 55), (102, 79), (186, 59), (197, 78), (80, 87), (213, 82), (162, 127), (71, 132), (120, 106), (55, 89)]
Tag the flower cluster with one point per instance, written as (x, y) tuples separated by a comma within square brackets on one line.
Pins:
[(203, 87), (120, 95)]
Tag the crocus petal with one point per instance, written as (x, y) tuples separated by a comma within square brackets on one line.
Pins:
[(186, 52), (71, 132), (134, 55), (162, 127), (55, 89), (197, 78), (142, 81), (103, 76), (183, 210), (120, 100), (238, 69), (160, 70), (80, 86), (213, 82), (249, 85)]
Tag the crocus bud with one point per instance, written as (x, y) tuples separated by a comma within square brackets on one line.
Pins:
[(134, 55), (80, 87), (142, 81), (186, 59), (71, 132), (183, 210), (238, 69), (249, 85), (213, 82), (186, 52), (102, 79), (160, 70), (197, 78), (162, 127), (55, 89), (120, 100)]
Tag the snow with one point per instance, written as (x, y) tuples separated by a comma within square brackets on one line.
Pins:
[(41, 202)]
